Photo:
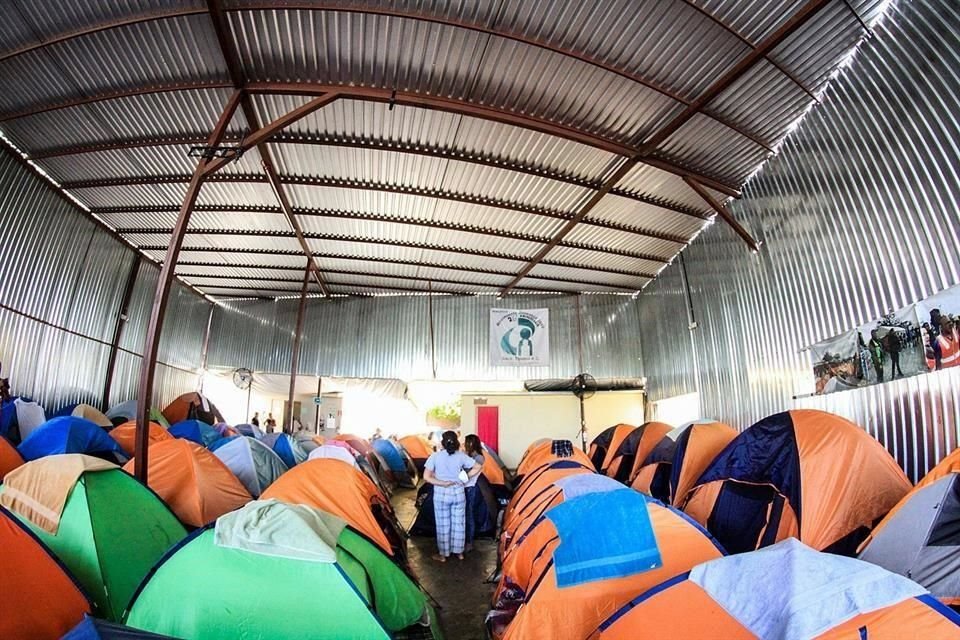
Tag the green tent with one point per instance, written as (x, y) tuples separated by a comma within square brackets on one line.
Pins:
[(112, 531), (293, 558)]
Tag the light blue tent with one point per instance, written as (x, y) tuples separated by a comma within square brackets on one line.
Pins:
[(286, 447), (195, 431), (68, 434), (254, 463), (251, 430), (404, 473)]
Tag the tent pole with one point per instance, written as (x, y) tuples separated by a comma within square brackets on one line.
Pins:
[(295, 356), (151, 345)]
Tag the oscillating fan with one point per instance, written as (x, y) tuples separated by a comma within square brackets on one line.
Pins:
[(243, 378)]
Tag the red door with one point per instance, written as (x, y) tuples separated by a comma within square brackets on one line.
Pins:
[(488, 426)]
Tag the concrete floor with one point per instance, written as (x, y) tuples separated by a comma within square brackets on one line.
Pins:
[(457, 585)]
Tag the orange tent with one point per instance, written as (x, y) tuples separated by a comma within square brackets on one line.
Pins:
[(542, 453), (192, 406), (335, 487), (40, 599), (9, 458), (547, 610), (126, 435), (537, 493), (674, 465), (193, 482), (832, 594), (418, 447), (636, 446), (812, 463), (604, 447)]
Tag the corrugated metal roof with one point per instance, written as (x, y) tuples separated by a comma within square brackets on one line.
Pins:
[(465, 135)]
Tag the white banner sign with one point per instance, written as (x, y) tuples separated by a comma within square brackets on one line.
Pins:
[(520, 338)]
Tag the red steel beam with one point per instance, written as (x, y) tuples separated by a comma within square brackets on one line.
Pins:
[(374, 94), (558, 237), (724, 214), (768, 44), (162, 296), (258, 233), (408, 245), (393, 147), (295, 354)]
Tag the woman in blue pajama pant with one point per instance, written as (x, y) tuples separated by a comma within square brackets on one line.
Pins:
[(442, 470)]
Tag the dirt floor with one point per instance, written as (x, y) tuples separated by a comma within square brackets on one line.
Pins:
[(458, 586)]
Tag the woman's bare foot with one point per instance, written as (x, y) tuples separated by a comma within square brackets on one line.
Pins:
[(459, 556), (439, 558)]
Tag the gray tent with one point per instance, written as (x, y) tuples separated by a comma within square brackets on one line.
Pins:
[(254, 463), (921, 540)]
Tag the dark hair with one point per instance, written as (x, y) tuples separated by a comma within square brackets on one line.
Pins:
[(472, 444), (449, 442)]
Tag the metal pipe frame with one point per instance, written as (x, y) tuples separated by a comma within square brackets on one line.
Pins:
[(122, 312), (162, 296), (724, 215), (295, 355)]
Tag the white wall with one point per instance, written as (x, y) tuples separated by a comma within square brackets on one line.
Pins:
[(525, 417)]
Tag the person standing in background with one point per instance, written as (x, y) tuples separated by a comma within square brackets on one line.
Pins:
[(442, 470), (891, 344), (255, 420), (473, 448)]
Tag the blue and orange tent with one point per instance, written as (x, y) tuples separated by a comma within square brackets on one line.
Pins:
[(196, 431), (68, 434), (806, 474)]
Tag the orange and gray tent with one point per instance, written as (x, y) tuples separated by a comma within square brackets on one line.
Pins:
[(744, 597), (539, 491), (419, 449), (547, 451), (10, 459), (636, 446), (920, 537), (193, 482), (676, 462), (494, 469), (336, 487), (806, 474), (38, 596), (192, 406), (126, 435), (587, 557), (605, 445)]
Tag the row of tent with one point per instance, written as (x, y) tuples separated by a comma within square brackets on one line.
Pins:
[(82, 537), (801, 474), (582, 555)]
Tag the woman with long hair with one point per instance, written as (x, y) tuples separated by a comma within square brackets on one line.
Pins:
[(442, 470), (473, 448)]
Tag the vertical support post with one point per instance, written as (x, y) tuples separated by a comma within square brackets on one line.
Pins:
[(316, 424), (118, 330), (151, 345), (295, 356), (433, 353), (579, 336), (206, 346), (691, 326)]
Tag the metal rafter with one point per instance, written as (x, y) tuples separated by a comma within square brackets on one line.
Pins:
[(430, 151), (768, 44), (439, 103), (724, 214), (352, 184), (408, 245), (258, 233), (386, 217), (218, 13), (162, 296)]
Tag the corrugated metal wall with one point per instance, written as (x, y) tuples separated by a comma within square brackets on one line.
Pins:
[(389, 337), (61, 283), (858, 215)]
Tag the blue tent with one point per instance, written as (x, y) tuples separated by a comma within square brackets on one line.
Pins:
[(286, 447), (254, 463), (396, 459), (8, 418), (195, 431), (96, 629), (250, 430), (68, 434)]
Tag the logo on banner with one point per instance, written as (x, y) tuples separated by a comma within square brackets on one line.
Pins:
[(519, 337)]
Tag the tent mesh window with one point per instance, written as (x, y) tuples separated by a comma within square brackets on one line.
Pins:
[(946, 530)]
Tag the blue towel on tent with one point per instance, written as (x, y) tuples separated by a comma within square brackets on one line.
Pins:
[(603, 535)]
